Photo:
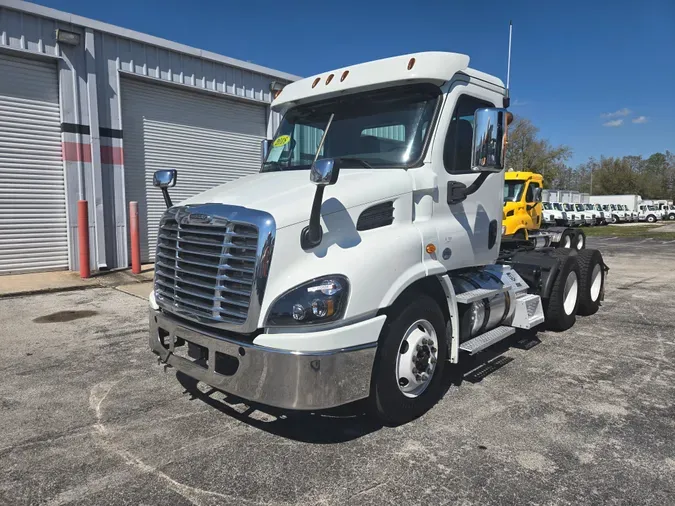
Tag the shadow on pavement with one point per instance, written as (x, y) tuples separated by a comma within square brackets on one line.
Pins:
[(336, 425), (351, 421)]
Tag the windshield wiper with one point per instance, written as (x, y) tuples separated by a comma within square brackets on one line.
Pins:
[(360, 161)]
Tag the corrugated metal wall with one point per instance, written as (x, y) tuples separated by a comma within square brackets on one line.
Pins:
[(210, 140), (89, 86)]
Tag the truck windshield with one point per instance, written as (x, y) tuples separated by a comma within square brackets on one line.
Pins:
[(547, 206), (513, 190), (579, 207), (568, 207), (613, 207), (651, 208), (589, 206), (557, 207), (381, 128)]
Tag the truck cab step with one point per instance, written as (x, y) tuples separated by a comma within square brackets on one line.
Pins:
[(479, 294), (479, 343)]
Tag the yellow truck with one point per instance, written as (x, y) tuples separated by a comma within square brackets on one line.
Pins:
[(523, 214)]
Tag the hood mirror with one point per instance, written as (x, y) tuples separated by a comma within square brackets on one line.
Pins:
[(165, 179), (324, 172), (489, 140)]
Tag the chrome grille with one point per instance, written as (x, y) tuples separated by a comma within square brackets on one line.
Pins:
[(205, 267)]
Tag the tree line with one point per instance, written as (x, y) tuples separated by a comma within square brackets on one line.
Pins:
[(652, 177)]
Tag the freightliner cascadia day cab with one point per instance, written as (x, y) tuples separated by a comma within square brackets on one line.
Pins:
[(366, 256)]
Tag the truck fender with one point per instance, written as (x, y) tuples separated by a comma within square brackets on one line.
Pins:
[(440, 288), (452, 331)]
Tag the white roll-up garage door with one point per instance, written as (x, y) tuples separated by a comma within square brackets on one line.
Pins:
[(210, 140), (33, 227)]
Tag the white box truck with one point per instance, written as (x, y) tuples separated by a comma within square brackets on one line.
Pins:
[(366, 257), (611, 204)]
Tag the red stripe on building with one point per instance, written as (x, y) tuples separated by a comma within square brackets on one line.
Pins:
[(112, 155), (76, 152)]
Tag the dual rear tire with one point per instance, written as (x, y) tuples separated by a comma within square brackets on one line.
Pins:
[(577, 289), (572, 239)]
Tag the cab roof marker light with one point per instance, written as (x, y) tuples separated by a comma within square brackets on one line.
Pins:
[(316, 81), (411, 63), (329, 78), (344, 75)]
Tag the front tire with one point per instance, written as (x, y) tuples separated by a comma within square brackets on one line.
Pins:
[(411, 355), (561, 306), (651, 218)]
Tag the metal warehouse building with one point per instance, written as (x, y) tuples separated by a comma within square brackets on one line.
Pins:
[(92, 112)]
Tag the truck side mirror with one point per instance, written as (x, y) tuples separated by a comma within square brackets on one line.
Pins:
[(264, 149), (165, 179), (489, 140), (536, 194)]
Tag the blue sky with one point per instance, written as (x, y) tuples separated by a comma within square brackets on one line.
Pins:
[(597, 75)]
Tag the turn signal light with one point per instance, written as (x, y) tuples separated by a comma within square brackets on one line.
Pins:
[(431, 248)]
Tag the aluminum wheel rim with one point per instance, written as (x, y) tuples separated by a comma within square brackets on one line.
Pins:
[(567, 242), (580, 242), (596, 282), (570, 293), (418, 350)]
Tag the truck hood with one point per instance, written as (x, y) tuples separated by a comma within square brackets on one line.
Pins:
[(288, 195)]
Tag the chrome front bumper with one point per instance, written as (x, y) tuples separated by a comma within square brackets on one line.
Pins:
[(280, 378)]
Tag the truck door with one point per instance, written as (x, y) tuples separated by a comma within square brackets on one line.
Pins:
[(467, 231), (532, 208)]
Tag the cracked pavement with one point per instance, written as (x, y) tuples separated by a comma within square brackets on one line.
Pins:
[(585, 416)]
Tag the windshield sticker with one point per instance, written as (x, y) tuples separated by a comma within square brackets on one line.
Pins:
[(282, 140)]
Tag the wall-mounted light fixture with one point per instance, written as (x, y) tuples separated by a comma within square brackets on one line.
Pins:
[(276, 87), (66, 37)]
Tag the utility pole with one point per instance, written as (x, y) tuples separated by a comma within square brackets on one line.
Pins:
[(591, 192)]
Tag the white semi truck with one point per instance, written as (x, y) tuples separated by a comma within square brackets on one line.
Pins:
[(366, 256)]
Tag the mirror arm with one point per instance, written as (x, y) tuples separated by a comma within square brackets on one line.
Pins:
[(458, 192), (313, 233), (473, 188), (167, 197)]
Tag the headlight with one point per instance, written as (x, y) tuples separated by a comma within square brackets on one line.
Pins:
[(320, 300)]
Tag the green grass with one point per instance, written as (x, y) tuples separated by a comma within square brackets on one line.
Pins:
[(643, 231)]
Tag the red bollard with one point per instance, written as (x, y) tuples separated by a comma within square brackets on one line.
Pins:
[(83, 237), (134, 231)]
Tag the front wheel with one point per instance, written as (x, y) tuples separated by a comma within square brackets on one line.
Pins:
[(615, 219), (671, 216), (651, 218), (410, 359)]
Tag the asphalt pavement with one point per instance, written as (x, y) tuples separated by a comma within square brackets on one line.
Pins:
[(585, 416)]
